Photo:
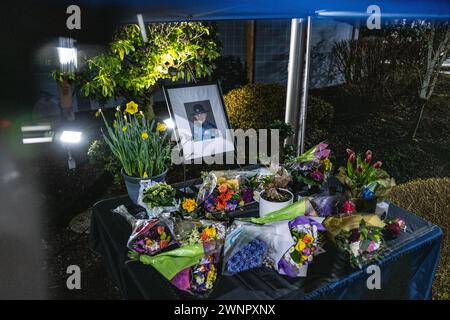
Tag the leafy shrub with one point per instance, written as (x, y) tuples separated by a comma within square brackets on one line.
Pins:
[(261, 105), (99, 152), (429, 198), (319, 119), (255, 105)]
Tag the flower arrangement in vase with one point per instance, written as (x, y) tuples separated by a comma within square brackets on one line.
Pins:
[(311, 168), (275, 194), (364, 181), (140, 144)]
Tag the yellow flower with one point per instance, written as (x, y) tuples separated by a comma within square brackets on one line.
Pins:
[(212, 274), (188, 205), (327, 164), (211, 232), (145, 175), (234, 184), (124, 128), (221, 180), (98, 113), (161, 127), (132, 107), (300, 246), (144, 135)]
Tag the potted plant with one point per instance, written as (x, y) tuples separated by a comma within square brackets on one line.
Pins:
[(274, 195), (363, 181), (142, 147), (311, 169)]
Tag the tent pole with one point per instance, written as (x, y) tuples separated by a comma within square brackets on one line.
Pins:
[(295, 69), (305, 88)]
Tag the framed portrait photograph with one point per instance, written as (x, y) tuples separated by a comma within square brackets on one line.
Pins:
[(201, 122)]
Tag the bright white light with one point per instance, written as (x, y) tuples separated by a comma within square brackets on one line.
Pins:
[(36, 128), (67, 56), (169, 123), (37, 140), (71, 137)]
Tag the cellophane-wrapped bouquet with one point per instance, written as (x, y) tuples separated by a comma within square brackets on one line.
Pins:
[(151, 237), (305, 234), (225, 191)]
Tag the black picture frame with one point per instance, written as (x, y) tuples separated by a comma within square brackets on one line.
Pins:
[(170, 106)]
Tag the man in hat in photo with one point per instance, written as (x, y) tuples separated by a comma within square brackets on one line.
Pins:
[(203, 129)]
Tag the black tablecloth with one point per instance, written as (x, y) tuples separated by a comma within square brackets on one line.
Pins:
[(407, 271)]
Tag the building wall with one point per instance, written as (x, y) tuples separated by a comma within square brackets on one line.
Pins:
[(272, 39)]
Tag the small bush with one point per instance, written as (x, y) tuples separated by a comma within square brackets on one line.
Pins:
[(260, 105), (255, 105), (430, 199), (99, 152), (319, 118)]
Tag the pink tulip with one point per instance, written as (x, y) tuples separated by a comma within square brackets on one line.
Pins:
[(377, 164), (349, 151), (352, 157)]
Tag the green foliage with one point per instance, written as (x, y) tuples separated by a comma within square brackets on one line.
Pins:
[(360, 173), (142, 147), (319, 118), (132, 67), (60, 76), (159, 195), (99, 152), (256, 105)]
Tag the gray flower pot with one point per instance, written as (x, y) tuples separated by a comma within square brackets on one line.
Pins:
[(133, 183)]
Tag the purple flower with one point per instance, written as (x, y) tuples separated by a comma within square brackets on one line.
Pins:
[(247, 195), (317, 176), (322, 152), (231, 205), (354, 236), (372, 246)]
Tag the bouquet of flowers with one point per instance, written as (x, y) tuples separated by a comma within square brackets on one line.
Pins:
[(305, 233), (312, 167), (362, 237), (159, 195), (362, 179), (250, 256), (205, 230), (225, 191), (156, 197), (151, 237)]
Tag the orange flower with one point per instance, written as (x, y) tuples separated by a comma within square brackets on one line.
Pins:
[(203, 236), (223, 188), (160, 229), (163, 244), (221, 204), (228, 195)]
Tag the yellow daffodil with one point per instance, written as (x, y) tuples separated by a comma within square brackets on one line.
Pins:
[(189, 205), (300, 245), (161, 127), (144, 135), (132, 107), (145, 175)]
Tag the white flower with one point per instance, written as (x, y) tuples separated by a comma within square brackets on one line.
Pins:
[(354, 247), (118, 108)]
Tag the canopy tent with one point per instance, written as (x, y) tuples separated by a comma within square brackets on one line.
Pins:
[(178, 10), (300, 11)]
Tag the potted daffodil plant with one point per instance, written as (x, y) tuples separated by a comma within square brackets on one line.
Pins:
[(140, 144)]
